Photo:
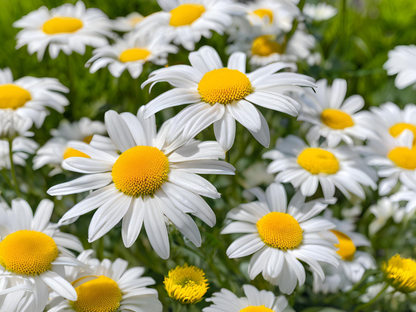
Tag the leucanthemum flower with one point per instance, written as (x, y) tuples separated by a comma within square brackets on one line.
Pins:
[(279, 235), (400, 273), (400, 62), (319, 12), (12, 125), (407, 195), (185, 22), (255, 301), (136, 176), (109, 286), (222, 95), (67, 28), (186, 284), (28, 97), (128, 23), (132, 53), (353, 263), (56, 150), (309, 166), (35, 252), (21, 148), (331, 117), (385, 209)]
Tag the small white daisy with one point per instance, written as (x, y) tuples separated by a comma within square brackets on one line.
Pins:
[(255, 301), (406, 195), (132, 53), (279, 235), (385, 209), (128, 23), (308, 166), (331, 117), (146, 181), (319, 12), (28, 97), (35, 251), (67, 28), (222, 95), (402, 62), (12, 125), (56, 150), (21, 148)]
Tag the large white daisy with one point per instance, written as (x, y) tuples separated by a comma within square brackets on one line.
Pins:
[(132, 53), (222, 95), (401, 61), (147, 180), (33, 255), (308, 167), (255, 300), (331, 117), (279, 235), (67, 28), (28, 97)]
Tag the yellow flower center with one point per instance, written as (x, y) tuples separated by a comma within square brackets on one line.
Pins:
[(135, 20), (401, 273), (186, 284), (28, 252), (256, 309), (60, 25), (265, 13), (403, 157), (134, 54), (88, 139), (186, 14), (336, 119), (318, 160), (397, 129), (71, 152), (346, 246), (12, 96), (98, 295), (224, 86), (140, 170), (280, 230), (265, 45)]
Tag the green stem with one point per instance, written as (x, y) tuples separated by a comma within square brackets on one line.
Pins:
[(178, 307), (6, 178), (13, 169), (227, 156), (71, 77), (363, 306)]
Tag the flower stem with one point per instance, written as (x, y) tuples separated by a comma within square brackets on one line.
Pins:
[(12, 168), (363, 306)]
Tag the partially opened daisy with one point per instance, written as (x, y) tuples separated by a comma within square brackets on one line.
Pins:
[(21, 148), (184, 22), (255, 301), (353, 263), (222, 95), (12, 125), (331, 117), (68, 28), (132, 53), (56, 149), (308, 166), (28, 97), (109, 286), (384, 209), (128, 23), (136, 176), (319, 12), (35, 251), (279, 235), (401, 61)]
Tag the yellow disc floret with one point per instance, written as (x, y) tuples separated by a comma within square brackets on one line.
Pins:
[(12, 96), (71, 152), (264, 14), (140, 170), (186, 284), (28, 252), (346, 247), (280, 230), (186, 14), (336, 119), (224, 86), (256, 309), (60, 25), (397, 129), (98, 295), (318, 160), (403, 157), (134, 54), (400, 273), (265, 45)]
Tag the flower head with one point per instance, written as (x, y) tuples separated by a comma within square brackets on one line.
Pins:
[(400, 273)]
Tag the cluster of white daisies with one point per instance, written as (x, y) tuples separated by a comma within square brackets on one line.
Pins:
[(146, 177)]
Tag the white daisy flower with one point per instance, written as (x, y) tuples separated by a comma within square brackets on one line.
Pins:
[(385, 209), (279, 235), (109, 286), (132, 53), (221, 95), (331, 116), (56, 150), (319, 12), (67, 28), (353, 262), (255, 300), (406, 195), (33, 255), (21, 148), (308, 166), (128, 23), (401, 62), (148, 181), (12, 125), (28, 97)]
